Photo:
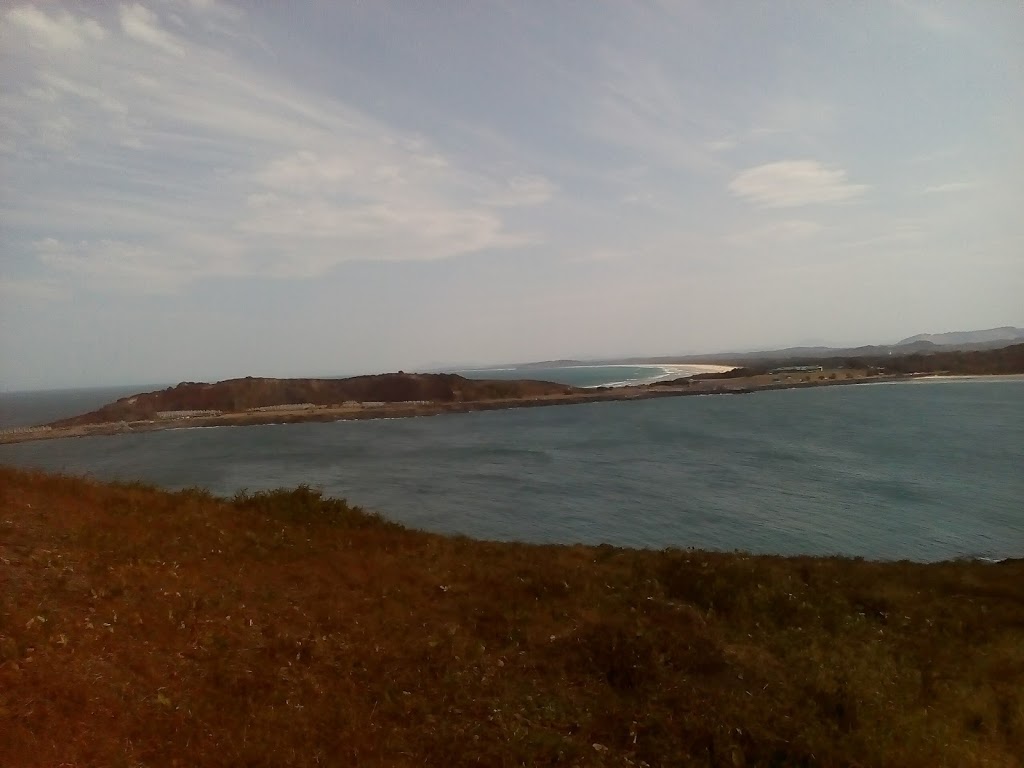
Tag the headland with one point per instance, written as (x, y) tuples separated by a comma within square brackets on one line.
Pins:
[(250, 401)]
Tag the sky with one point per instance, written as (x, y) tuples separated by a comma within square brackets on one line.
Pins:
[(193, 190)]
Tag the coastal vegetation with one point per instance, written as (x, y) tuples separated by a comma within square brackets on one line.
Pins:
[(239, 395), (145, 627), (988, 362), (1006, 360)]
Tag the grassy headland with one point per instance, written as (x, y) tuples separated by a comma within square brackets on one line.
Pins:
[(241, 402), (142, 627)]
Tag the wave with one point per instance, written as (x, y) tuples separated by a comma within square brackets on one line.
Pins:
[(667, 371)]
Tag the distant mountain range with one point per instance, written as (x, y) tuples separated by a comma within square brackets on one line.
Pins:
[(1006, 333), (955, 341)]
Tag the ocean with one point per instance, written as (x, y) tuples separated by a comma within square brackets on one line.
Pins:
[(27, 409), (927, 470)]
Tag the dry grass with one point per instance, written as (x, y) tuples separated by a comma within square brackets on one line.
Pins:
[(139, 627)]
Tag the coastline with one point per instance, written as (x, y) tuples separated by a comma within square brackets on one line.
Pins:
[(400, 410), (970, 377)]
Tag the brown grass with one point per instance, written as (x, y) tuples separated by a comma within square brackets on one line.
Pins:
[(139, 627)]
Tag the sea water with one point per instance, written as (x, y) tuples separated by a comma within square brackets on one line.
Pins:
[(925, 470)]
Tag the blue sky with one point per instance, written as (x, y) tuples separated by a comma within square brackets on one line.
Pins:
[(194, 190)]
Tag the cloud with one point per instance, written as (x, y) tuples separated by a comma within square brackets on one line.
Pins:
[(952, 186), (303, 169), (801, 120), (888, 232), (29, 290), (54, 87), (199, 164), (722, 145), (600, 256), (140, 23), (794, 183), (641, 108), (212, 7), (120, 266), (375, 201), (779, 232), (54, 33), (523, 191)]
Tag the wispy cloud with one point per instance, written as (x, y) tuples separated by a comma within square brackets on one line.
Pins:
[(887, 232), (952, 186), (61, 31), (523, 191), (642, 109), (208, 150), (124, 266), (31, 290), (722, 145), (794, 183), (142, 24), (775, 233)]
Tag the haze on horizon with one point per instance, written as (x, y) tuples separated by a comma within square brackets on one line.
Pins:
[(197, 190)]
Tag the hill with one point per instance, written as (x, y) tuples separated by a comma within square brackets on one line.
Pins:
[(991, 362), (961, 341), (235, 395), (988, 362), (919, 357), (140, 627), (1005, 333), (1005, 360)]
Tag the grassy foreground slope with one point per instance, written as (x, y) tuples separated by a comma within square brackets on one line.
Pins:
[(140, 627)]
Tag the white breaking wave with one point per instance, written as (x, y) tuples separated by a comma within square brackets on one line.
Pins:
[(668, 371)]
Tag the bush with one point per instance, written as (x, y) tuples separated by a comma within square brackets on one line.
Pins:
[(307, 506)]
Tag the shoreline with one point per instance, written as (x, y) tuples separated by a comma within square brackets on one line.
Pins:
[(400, 410)]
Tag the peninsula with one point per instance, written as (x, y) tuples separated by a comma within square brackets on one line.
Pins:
[(249, 401)]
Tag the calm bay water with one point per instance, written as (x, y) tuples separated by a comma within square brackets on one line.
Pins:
[(925, 471)]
